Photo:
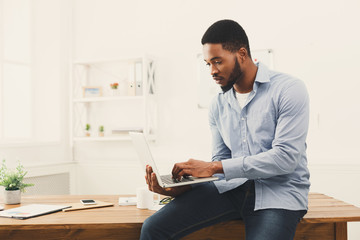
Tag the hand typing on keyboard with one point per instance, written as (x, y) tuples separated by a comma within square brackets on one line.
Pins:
[(155, 187), (196, 168)]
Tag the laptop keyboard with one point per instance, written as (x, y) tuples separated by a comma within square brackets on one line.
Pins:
[(167, 179)]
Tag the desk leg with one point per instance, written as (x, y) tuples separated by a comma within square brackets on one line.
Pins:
[(341, 231)]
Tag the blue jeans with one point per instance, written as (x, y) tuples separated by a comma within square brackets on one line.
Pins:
[(204, 206)]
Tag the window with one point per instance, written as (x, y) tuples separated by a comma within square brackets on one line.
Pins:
[(30, 71), (16, 70)]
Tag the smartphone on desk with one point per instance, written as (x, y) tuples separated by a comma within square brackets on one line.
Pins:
[(87, 201)]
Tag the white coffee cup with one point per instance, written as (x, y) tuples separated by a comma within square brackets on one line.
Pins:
[(145, 198)]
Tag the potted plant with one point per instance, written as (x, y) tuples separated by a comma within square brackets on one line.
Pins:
[(114, 88), (114, 85), (101, 131), (87, 130), (12, 180)]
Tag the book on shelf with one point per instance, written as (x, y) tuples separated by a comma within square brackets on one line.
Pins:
[(131, 80), (126, 130), (138, 79)]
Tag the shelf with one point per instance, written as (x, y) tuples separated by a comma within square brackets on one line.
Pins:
[(102, 61), (113, 109), (125, 137), (102, 139), (104, 99)]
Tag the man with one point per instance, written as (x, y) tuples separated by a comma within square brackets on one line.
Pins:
[(259, 125)]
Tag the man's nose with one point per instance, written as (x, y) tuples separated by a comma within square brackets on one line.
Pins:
[(214, 70)]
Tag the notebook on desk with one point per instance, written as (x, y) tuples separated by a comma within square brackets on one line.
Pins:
[(80, 206), (146, 158), (32, 210)]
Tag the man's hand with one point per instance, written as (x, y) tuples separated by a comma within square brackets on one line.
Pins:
[(196, 168), (154, 186)]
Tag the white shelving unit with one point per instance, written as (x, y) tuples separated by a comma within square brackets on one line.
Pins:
[(131, 107)]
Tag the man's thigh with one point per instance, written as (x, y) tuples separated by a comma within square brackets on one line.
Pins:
[(198, 208), (272, 224)]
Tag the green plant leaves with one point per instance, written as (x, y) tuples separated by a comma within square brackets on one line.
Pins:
[(13, 180)]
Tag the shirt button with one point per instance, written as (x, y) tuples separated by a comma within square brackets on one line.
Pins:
[(242, 119), (244, 140)]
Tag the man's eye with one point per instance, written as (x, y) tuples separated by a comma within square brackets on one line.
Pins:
[(218, 62)]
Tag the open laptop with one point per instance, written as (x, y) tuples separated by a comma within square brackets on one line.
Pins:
[(146, 158)]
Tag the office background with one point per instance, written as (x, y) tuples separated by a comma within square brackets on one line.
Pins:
[(317, 41)]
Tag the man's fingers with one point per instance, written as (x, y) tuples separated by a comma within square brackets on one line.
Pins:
[(192, 167), (174, 170), (148, 173), (178, 167), (153, 179), (148, 177), (184, 172), (155, 184)]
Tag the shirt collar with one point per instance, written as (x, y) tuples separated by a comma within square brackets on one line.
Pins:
[(262, 76)]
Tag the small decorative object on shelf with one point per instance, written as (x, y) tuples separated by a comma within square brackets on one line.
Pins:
[(92, 92), (115, 89), (101, 131), (87, 130), (114, 85), (13, 182)]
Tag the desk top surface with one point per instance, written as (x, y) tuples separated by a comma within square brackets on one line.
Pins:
[(322, 208)]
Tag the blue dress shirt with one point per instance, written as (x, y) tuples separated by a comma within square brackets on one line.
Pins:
[(265, 140)]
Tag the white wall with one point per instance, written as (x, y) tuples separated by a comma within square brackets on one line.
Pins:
[(314, 40)]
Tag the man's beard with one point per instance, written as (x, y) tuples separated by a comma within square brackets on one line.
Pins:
[(234, 77)]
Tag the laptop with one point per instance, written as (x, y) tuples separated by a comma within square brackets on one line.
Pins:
[(143, 150), (32, 210)]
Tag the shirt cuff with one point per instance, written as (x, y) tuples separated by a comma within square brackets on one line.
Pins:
[(233, 168)]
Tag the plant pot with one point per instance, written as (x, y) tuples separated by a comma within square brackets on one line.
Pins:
[(115, 92), (101, 134), (12, 197)]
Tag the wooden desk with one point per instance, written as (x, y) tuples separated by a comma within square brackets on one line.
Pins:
[(327, 219)]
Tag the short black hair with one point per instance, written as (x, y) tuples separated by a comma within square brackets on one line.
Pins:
[(229, 33)]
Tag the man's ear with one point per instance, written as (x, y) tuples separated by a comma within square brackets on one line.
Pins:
[(242, 54)]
